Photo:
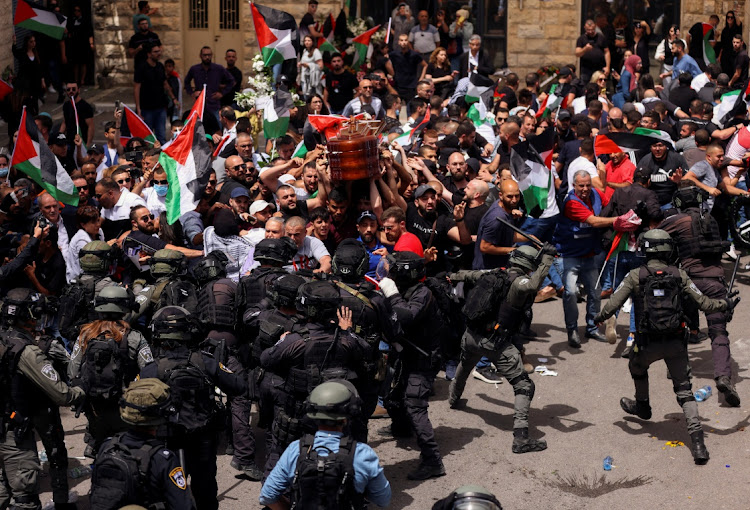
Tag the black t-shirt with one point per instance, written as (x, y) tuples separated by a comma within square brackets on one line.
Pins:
[(423, 229), (472, 218), (138, 39), (594, 58), (51, 274), (340, 89), (228, 98), (304, 25), (301, 210), (661, 171), (406, 68), (152, 80), (741, 62), (509, 96), (439, 72), (85, 111)]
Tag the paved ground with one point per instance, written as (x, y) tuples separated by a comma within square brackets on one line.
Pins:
[(578, 413)]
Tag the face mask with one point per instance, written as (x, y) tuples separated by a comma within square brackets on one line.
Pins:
[(4, 171), (398, 112), (161, 189)]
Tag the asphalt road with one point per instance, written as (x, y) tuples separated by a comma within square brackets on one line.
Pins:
[(578, 414)]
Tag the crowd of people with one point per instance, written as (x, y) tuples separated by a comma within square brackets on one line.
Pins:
[(323, 303)]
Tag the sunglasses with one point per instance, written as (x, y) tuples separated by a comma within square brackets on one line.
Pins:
[(98, 196), (123, 181), (147, 217), (237, 167), (212, 182), (71, 89), (366, 86), (160, 182)]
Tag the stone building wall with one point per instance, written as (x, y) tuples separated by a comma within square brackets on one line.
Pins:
[(6, 36)]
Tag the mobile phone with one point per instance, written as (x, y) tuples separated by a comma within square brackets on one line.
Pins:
[(117, 104)]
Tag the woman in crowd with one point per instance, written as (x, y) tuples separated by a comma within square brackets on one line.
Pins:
[(439, 71), (310, 68)]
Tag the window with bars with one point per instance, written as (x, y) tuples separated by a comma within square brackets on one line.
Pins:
[(229, 15), (199, 14)]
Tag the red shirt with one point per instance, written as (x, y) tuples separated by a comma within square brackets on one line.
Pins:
[(580, 213), (618, 174), (409, 242)]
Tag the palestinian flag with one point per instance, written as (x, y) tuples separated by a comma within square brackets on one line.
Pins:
[(709, 55), (531, 163), (479, 87), (478, 114), (187, 162), (340, 31), (552, 102), (408, 137), (300, 151), (5, 89), (654, 133), (84, 149), (329, 30), (223, 144), (33, 157), (732, 103), (200, 104), (132, 125), (363, 48), (275, 113), (35, 17), (633, 144), (277, 34), (327, 125)]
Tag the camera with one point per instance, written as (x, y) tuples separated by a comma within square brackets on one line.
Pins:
[(134, 156), (44, 222)]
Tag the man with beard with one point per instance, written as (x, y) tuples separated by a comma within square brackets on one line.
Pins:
[(239, 202), (143, 240), (494, 239), (116, 205), (289, 205), (235, 178), (367, 225), (307, 187), (456, 180), (193, 222), (68, 213), (434, 229), (394, 228)]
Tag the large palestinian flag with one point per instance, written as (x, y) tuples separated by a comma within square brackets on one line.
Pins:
[(35, 17), (327, 125), (187, 162), (329, 31), (553, 101), (33, 157), (132, 125), (363, 47), (636, 144), (701, 35), (277, 34), (479, 89), (531, 163), (276, 113)]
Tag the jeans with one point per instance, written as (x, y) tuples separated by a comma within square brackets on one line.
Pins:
[(156, 120), (542, 229), (586, 269), (625, 262)]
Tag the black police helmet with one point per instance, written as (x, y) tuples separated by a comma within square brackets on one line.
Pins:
[(275, 252), (283, 290), (319, 300), (405, 267), (351, 260)]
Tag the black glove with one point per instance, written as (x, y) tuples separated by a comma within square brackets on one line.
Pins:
[(731, 302), (598, 319), (549, 249)]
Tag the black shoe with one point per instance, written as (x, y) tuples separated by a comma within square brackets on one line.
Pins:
[(252, 471), (595, 335), (527, 445), (573, 339), (528, 333), (389, 431), (229, 450), (457, 404), (696, 338), (89, 452), (427, 471), (724, 385), (640, 408), (626, 352), (700, 453)]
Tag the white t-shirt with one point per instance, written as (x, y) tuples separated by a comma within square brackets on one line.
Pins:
[(121, 210), (156, 204), (79, 240), (580, 163), (309, 255)]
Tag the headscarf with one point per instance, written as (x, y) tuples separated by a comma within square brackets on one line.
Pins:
[(630, 64)]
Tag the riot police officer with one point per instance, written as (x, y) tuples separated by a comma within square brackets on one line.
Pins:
[(127, 352), (192, 371), (329, 350), (419, 360), (490, 334), (171, 285), (373, 319), (136, 459), (700, 248), (273, 255), (350, 469), (77, 300), (34, 390), (658, 289)]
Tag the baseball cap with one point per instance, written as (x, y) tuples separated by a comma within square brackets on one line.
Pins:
[(58, 139), (473, 163), (564, 71), (95, 148), (239, 192), (366, 215), (422, 189), (259, 205), (564, 115)]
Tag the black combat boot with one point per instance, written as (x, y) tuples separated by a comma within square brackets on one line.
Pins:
[(573, 339), (724, 385), (426, 471), (640, 408), (523, 444), (700, 453)]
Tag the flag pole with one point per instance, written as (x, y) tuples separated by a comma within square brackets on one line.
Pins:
[(388, 31), (15, 146)]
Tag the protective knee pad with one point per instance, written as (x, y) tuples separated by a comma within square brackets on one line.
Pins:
[(523, 385)]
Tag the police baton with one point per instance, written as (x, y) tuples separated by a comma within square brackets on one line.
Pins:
[(734, 275), (519, 231), (412, 345)]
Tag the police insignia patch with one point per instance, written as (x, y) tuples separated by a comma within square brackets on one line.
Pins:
[(523, 281), (50, 373), (695, 289), (146, 355), (177, 475)]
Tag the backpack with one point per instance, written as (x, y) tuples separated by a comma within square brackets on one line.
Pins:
[(76, 306), (120, 475), (191, 390), (325, 481), (661, 292), (484, 299), (104, 367), (176, 293), (450, 325), (216, 304)]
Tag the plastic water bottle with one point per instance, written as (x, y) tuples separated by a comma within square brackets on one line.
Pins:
[(72, 498), (43, 456), (81, 471), (703, 393), (607, 464)]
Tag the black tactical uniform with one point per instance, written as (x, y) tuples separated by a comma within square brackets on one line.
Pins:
[(324, 353), (192, 375), (700, 247), (418, 362), (172, 286), (272, 254), (373, 320), (33, 391), (658, 290), (490, 334)]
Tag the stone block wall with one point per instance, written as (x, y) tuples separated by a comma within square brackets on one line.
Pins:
[(6, 36)]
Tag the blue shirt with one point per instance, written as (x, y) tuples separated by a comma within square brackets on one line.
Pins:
[(374, 259), (369, 478), (495, 233), (686, 64)]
